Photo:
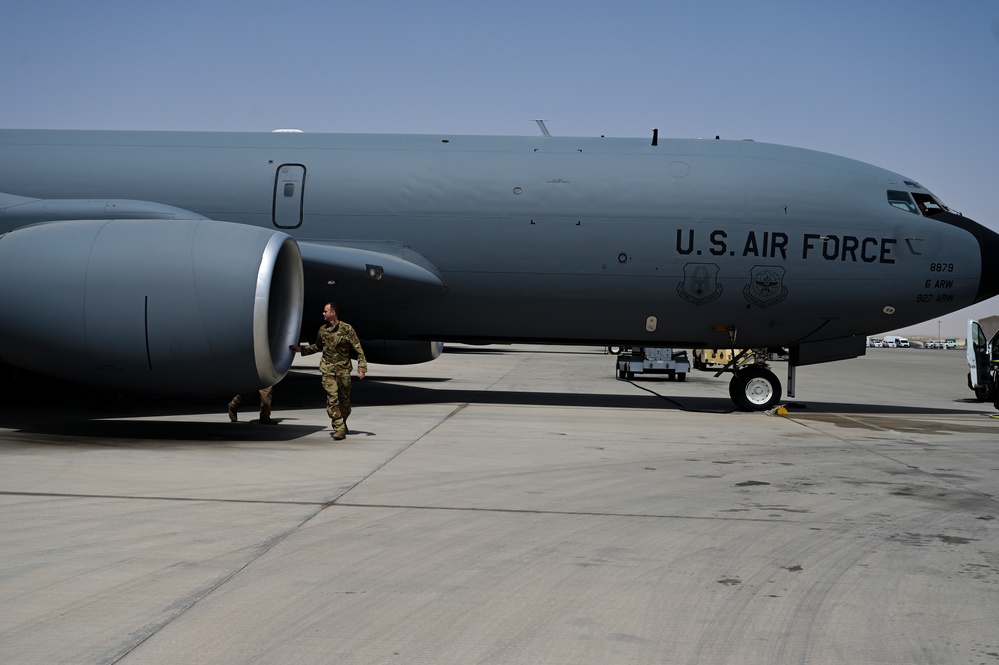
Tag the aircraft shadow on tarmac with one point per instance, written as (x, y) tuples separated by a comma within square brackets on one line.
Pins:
[(655, 393), (99, 414)]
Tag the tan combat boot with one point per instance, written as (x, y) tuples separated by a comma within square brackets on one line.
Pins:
[(233, 405)]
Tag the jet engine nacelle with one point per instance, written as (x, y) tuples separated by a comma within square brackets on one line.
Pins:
[(176, 307), (401, 352)]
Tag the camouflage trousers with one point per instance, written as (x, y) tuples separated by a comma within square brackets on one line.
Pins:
[(266, 397), (337, 387)]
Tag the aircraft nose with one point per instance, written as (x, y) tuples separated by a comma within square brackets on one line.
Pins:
[(988, 244)]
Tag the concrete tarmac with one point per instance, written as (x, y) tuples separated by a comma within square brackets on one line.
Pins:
[(509, 504)]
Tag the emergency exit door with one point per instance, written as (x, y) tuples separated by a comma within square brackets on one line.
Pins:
[(289, 187)]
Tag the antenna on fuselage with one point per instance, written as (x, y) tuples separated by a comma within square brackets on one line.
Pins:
[(541, 126), (655, 137)]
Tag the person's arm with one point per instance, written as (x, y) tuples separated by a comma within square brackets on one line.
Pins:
[(311, 348), (362, 362)]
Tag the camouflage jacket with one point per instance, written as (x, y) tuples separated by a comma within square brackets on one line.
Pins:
[(336, 342)]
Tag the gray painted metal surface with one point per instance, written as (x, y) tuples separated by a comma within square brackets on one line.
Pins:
[(686, 243)]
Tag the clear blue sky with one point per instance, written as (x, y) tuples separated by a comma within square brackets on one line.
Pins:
[(911, 86)]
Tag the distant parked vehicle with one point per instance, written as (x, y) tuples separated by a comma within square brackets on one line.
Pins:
[(982, 366), (896, 342)]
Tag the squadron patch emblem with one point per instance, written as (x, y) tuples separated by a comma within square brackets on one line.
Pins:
[(700, 283), (766, 286)]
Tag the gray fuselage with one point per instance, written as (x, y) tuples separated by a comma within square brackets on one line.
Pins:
[(573, 240)]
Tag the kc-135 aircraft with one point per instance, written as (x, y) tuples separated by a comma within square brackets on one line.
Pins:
[(182, 262)]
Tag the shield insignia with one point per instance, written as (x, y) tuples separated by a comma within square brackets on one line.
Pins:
[(700, 283), (766, 286)]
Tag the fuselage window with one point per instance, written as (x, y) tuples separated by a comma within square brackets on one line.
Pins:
[(928, 205), (902, 201)]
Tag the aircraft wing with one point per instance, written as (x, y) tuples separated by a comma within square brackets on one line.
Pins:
[(139, 295)]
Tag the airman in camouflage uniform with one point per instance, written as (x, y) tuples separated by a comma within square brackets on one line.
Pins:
[(335, 340)]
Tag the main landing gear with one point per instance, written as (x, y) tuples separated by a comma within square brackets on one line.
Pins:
[(754, 387)]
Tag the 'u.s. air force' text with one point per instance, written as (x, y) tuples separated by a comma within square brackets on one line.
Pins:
[(776, 244)]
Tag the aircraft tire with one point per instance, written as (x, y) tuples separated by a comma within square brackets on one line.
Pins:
[(733, 390), (755, 389)]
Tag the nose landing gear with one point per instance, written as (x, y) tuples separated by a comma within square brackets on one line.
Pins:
[(754, 388)]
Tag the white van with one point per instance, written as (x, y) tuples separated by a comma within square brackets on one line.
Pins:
[(982, 352), (896, 342)]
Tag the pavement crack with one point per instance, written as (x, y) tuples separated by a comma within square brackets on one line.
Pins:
[(264, 548), (137, 497)]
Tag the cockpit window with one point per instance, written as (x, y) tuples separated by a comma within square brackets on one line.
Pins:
[(902, 201), (928, 205)]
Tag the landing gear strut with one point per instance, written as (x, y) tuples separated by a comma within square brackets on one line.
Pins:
[(753, 386)]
